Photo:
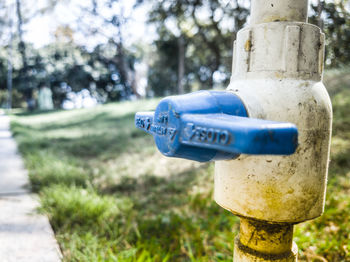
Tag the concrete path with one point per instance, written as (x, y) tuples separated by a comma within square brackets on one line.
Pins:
[(25, 235)]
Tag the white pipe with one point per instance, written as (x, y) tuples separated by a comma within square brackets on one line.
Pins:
[(263, 11)]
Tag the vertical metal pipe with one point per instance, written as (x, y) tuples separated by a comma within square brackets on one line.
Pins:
[(262, 241), (263, 11)]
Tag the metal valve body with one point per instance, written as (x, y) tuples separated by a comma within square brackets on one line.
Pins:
[(277, 72)]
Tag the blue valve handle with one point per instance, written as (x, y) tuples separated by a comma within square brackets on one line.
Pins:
[(211, 125)]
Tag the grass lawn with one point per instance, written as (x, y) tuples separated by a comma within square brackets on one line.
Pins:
[(111, 196)]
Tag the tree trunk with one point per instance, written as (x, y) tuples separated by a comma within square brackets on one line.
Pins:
[(28, 90), (319, 14), (128, 77), (21, 44), (181, 65), (10, 66), (126, 73)]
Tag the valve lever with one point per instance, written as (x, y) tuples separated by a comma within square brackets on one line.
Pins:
[(214, 129)]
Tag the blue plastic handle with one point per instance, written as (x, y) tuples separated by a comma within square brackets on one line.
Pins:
[(206, 126)]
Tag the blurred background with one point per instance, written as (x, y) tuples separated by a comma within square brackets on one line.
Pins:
[(99, 51), (109, 194)]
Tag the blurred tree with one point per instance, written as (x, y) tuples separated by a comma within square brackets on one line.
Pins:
[(193, 49), (181, 65), (69, 67), (3, 14), (25, 76), (163, 71), (208, 29), (64, 66), (109, 21), (3, 70), (64, 34), (25, 73), (111, 80), (21, 43), (26, 81), (334, 18)]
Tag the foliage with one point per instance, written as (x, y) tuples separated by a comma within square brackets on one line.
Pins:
[(17, 99), (192, 50), (162, 75), (209, 37), (111, 197), (64, 65), (336, 25), (208, 41), (109, 16)]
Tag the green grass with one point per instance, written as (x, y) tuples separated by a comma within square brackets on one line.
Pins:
[(111, 196)]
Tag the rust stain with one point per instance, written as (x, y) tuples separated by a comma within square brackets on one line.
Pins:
[(275, 18), (266, 240), (248, 45), (279, 75)]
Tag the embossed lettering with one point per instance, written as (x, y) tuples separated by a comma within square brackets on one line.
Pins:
[(172, 132), (211, 135), (156, 129), (224, 137), (191, 130), (163, 118), (207, 135), (147, 123)]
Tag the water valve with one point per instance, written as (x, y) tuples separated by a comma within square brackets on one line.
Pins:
[(214, 125), (279, 174)]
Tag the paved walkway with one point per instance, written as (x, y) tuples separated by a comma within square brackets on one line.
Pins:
[(25, 235)]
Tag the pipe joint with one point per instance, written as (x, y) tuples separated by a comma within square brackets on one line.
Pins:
[(261, 241)]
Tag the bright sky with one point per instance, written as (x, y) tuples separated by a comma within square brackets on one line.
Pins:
[(40, 30)]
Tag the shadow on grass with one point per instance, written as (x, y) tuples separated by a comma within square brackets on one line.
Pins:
[(152, 193), (98, 121), (105, 146), (339, 165), (121, 137), (169, 212), (37, 112)]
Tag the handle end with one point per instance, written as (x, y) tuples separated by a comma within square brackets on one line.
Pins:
[(144, 121)]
